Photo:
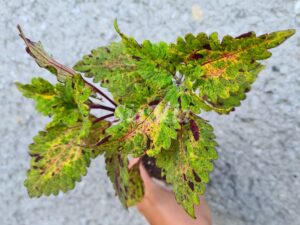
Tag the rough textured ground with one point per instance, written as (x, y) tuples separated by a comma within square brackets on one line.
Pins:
[(256, 180)]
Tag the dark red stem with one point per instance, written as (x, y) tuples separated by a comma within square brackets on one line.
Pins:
[(103, 118), (95, 106), (103, 140), (100, 92)]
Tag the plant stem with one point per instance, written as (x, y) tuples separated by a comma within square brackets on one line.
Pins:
[(103, 140), (103, 118), (100, 92), (95, 106)]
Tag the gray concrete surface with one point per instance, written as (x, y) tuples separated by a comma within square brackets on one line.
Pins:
[(256, 180)]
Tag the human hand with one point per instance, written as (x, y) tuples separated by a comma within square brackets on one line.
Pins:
[(159, 206)]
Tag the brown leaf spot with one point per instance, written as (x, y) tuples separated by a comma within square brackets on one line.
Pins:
[(197, 178), (195, 129), (107, 50), (136, 58), (195, 56), (245, 35), (118, 188), (191, 185), (33, 154), (137, 116), (154, 102), (38, 158), (148, 142), (207, 46), (120, 160)]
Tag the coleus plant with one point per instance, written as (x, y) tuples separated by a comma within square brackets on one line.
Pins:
[(158, 91)]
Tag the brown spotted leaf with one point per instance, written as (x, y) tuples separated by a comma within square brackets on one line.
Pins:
[(149, 131), (60, 157), (188, 162), (222, 72), (127, 182)]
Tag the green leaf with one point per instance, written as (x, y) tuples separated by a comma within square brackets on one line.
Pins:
[(148, 131), (60, 157), (188, 161), (152, 60), (42, 91), (66, 103), (134, 74), (127, 182), (190, 101), (153, 65), (222, 72), (117, 71)]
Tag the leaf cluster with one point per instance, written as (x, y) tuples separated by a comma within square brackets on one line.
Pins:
[(158, 91)]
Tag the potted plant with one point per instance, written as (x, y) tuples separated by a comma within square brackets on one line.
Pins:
[(158, 91)]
